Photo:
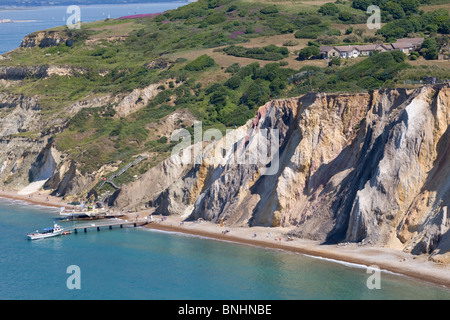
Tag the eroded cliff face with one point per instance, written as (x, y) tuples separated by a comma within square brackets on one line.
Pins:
[(29, 161), (17, 115), (45, 39), (370, 168)]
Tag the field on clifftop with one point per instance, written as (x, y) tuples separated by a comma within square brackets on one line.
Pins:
[(118, 88)]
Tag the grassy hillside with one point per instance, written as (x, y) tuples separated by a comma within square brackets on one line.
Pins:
[(217, 60)]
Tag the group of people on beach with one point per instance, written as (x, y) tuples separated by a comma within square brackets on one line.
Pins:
[(32, 196), (150, 217)]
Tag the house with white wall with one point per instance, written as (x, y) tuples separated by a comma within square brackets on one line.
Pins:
[(406, 45)]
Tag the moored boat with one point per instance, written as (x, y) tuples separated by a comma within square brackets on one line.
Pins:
[(54, 231)]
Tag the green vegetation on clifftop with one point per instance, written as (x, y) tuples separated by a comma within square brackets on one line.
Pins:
[(115, 57)]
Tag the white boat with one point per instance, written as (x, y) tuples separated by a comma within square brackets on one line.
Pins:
[(54, 231)]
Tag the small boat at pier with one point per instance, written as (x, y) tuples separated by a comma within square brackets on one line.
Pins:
[(54, 231)]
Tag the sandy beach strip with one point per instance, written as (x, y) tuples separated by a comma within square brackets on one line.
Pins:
[(395, 261), (38, 198)]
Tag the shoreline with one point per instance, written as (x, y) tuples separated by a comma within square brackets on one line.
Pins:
[(38, 198), (390, 260)]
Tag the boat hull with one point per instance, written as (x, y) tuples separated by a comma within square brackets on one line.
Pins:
[(36, 236)]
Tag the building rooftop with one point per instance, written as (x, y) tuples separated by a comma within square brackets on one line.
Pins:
[(325, 48), (402, 45), (366, 47), (344, 48), (411, 40)]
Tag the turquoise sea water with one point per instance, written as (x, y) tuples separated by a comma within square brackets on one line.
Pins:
[(41, 18), (135, 263)]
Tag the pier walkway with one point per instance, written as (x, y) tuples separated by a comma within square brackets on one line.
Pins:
[(107, 224), (100, 216)]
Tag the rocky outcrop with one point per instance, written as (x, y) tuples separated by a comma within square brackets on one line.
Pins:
[(20, 73), (44, 39), (371, 168), (139, 98), (18, 114), (38, 72), (28, 154), (159, 63), (28, 158), (45, 164), (363, 166), (150, 189), (17, 156), (19, 149), (68, 181)]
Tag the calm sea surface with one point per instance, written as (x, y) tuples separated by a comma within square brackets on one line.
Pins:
[(41, 18), (134, 263)]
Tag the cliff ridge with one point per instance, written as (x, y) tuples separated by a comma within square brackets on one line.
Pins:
[(370, 168)]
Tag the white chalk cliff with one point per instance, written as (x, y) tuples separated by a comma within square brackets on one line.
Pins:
[(372, 168)]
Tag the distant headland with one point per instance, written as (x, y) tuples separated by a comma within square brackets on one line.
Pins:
[(15, 21)]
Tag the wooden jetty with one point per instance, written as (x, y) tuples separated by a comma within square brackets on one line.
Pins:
[(91, 217), (107, 224)]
